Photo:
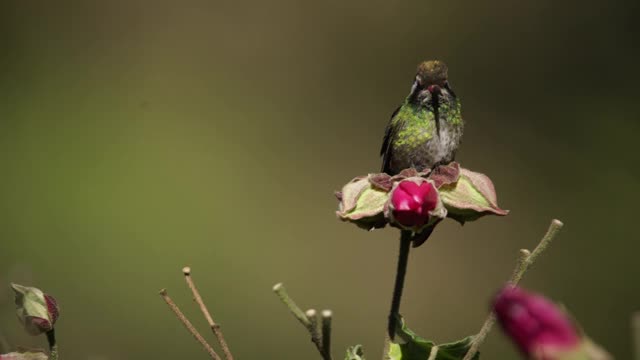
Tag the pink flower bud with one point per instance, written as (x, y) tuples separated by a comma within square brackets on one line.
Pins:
[(36, 310), (535, 324), (412, 203)]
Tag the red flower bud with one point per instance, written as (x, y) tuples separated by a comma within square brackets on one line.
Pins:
[(412, 203), (535, 324)]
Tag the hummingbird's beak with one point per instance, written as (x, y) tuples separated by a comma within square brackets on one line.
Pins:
[(434, 89)]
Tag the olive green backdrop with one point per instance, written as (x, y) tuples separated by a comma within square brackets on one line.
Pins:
[(138, 137)]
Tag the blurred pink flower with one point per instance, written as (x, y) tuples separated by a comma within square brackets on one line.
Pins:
[(535, 324)]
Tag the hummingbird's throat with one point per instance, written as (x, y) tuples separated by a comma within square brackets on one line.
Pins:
[(435, 103)]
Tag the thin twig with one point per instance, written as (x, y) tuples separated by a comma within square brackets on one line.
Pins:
[(403, 257), (516, 276), (187, 324), (525, 260), (326, 331), (301, 316), (635, 332), (312, 315), (555, 226), (291, 305), (217, 332)]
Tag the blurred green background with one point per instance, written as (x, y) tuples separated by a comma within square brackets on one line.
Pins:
[(139, 137)]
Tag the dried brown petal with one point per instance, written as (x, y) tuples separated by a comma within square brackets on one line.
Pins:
[(445, 174)]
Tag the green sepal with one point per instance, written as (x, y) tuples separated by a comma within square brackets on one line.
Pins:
[(32, 310), (363, 204), (470, 197), (355, 353), (410, 346)]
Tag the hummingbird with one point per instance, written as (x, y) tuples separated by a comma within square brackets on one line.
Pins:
[(426, 130)]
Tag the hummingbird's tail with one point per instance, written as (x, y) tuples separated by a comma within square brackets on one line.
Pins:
[(420, 238)]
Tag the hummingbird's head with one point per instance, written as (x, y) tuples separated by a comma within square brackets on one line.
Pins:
[(431, 82), (432, 72)]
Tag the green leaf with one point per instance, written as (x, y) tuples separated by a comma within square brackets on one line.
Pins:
[(410, 346), (355, 353)]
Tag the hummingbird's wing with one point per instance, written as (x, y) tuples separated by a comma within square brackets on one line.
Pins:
[(386, 149)]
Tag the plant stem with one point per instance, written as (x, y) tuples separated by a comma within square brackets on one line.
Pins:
[(291, 305), (401, 271), (433, 354), (53, 345), (217, 332), (525, 260), (302, 318), (53, 353), (312, 315), (555, 226), (326, 331), (386, 347), (521, 263), (187, 324)]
